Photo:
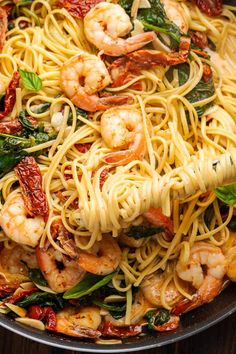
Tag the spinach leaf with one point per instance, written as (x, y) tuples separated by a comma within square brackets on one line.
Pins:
[(25, 122), (8, 160), (200, 92), (155, 19), (227, 194), (157, 317), (30, 80), (126, 4), (208, 215), (36, 275), (89, 284), (116, 311), (41, 108), (43, 299), (232, 224), (142, 231), (79, 112)]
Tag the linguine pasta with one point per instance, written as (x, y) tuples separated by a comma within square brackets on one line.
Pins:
[(187, 156)]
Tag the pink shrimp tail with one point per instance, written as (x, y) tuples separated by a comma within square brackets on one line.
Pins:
[(131, 44), (206, 293), (95, 103), (119, 158)]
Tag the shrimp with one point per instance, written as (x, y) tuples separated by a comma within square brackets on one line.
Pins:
[(17, 225), (229, 250), (175, 13), (208, 283), (3, 26), (106, 23), (82, 78), (82, 323), (106, 259), (12, 270), (61, 272), (122, 128), (151, 287)]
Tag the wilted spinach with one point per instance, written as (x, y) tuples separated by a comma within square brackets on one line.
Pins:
[(157, 318), (200, 92), (142, 231), (43, 299)]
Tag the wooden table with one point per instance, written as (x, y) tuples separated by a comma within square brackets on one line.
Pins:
[(219, 339)]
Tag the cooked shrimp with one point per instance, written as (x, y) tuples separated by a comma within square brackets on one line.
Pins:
[(208, 283), (139, 307), (3, 26), (17, 225), (104, 26), (81, 323), (12, 271), (122, 128), (175, 13), (82, 78), (151, 287), (61, 272), (106, 259)]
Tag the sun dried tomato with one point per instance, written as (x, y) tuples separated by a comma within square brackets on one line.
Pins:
[(21, 295), (211, 8), (7, 289), (11, 127), (30, 179), (35, 312), (50, 317), (10, 97), (199, 39), (78, 8), (83, 148), (157, 218), (43, 313), (207, 72), (172, 324), (103, 177), (109, 330)]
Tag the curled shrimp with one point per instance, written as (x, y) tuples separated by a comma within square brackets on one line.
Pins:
[(82, 78), (82, 323), (151, 288), (104, 26), (60, 271), (208, 283), (16, 223), (3, 25), (175, 13), (122, 129), (12, 271), (106, 258)]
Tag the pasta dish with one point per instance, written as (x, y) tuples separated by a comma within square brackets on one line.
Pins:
[(117, 162)]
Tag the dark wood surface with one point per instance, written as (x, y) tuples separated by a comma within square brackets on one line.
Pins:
[(219, 339)]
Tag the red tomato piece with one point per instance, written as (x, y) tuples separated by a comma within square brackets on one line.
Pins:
[(83, 148), (211, 8), (78, 8), (30, 179), (157, 218), (109, 330), (10, 97)]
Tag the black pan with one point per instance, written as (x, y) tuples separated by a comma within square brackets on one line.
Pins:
[(191, 323)]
